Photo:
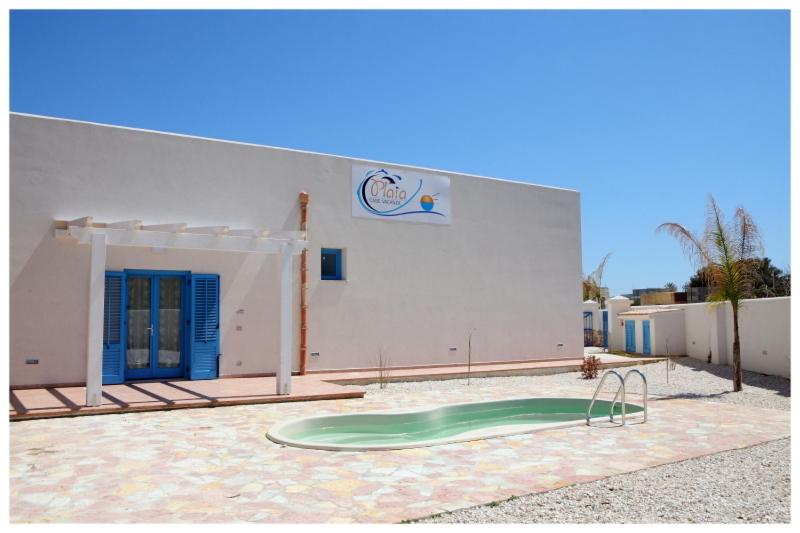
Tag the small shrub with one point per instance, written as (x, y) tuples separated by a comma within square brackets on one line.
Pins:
[(590, 367), (384, 370)]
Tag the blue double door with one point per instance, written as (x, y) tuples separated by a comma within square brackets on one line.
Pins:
[(630, 336), (159, 325)]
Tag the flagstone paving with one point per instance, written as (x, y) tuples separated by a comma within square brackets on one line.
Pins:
[(215, 465)]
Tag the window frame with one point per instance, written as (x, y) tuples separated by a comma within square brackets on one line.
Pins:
[(337, 252)]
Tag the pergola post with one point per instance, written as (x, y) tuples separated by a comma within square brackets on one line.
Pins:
[(94, 347), (283, 377)]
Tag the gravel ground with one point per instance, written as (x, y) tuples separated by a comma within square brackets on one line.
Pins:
[(751, 485), (690, 378), (747, 485)]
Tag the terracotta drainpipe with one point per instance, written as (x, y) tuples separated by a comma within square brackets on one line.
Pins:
[(303, 282)]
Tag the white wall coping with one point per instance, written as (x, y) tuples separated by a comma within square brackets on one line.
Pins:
[(634, 312)]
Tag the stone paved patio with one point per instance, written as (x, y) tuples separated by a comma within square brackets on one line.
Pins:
[(215, 465)]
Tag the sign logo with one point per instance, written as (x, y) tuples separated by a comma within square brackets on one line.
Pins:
[(390, 194)]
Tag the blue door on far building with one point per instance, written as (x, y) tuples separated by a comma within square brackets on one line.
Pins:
[(646, 337), (630, 336), (605, 328)]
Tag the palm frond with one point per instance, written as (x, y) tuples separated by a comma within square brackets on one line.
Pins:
[(717, 235), (597, 275), (715, 275), (693, 247), (747, 235), (593, 282)]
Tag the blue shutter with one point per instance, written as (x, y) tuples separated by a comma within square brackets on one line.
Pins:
[(204, 327), (114, 329), (646, 337), (630, 336)]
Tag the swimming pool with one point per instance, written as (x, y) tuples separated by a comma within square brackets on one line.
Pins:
[(440, 425)]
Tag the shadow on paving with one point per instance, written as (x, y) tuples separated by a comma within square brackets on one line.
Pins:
[(779, 385)]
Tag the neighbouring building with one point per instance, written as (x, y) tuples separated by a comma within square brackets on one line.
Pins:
[(697, 294), (636, 293), (704, 331), (657, 298), (663, 298), (146, 255), (661, 331)]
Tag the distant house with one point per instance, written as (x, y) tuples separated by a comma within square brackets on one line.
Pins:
[(636, 294), (657, 298), (656, 327), (666, 297), (696, 294)]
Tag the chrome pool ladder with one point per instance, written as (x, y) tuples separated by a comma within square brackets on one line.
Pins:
[(621, 389), (644, 393)]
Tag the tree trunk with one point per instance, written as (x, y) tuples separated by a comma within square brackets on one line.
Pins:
[(737, 352)]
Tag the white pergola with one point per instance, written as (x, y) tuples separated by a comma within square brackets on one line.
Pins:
[(177, 236)]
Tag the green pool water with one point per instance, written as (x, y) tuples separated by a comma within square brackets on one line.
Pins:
[(447, 422)]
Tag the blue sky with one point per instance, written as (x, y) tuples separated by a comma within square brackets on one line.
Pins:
[(644, 112)]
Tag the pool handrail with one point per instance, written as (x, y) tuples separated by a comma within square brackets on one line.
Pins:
[(597, 391), (644, 392)]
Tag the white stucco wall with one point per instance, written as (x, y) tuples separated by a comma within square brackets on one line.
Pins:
[(667, 333), (509, 265), (616, 327), (705, 332), (764, 331)]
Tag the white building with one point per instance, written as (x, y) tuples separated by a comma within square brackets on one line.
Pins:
[(653, 330), (400, 259), (705, 331)]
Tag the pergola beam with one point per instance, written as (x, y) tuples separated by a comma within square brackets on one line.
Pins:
[(171, 228), (249, 232), (208, 230), (125, 224), (286, 234), (183, 241), (83, 221)]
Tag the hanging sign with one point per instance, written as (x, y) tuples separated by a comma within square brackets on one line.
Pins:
[(392, 194)]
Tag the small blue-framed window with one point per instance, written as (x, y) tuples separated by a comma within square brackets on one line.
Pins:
[(331, 264)]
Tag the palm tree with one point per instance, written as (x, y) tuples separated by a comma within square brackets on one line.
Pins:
[(725, 251), (593, 283)]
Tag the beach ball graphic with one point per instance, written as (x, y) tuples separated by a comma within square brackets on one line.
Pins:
[(426, 202)]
